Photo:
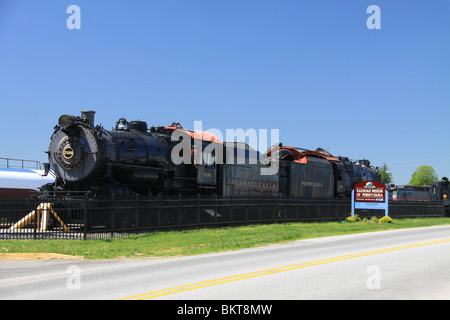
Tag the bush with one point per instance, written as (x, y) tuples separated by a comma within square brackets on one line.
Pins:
[(355, 218), (374, 219), (386, 219)]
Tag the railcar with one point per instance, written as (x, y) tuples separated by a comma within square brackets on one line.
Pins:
[(409, 193), (20, 179), (320, 175)]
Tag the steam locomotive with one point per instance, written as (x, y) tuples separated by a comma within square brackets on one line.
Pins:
[(132, 158)]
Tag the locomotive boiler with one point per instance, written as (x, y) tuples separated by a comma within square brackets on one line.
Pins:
[(133, 158)]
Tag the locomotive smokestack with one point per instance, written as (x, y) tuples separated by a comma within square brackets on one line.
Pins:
[(89, 116)]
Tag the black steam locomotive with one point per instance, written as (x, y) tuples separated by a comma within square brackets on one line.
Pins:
[(133, 158)]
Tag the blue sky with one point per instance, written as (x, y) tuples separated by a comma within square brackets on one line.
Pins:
[(311, 69)]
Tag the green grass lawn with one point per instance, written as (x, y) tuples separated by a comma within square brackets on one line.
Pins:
[(177, 243)]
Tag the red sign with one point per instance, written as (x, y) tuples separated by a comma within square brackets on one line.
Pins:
[(370, 191)]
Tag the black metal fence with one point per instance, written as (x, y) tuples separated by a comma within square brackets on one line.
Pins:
[(83, 218)]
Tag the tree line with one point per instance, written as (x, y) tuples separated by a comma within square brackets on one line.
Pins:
[(422, 176)]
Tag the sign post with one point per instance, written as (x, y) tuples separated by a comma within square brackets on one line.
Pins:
[(370, 195)]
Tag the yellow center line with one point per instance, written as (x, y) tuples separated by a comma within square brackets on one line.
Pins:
[(198, 285)]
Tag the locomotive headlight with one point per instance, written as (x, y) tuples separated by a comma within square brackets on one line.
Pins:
[(65, 120)]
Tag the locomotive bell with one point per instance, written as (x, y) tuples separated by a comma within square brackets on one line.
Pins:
[(122, 124)]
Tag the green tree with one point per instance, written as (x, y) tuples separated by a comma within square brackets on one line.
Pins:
[(386, 176), (423, 176)]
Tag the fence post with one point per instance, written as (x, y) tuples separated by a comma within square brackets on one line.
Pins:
[(137, 216), (260, 209), (198, 210), (231, 211), (215, 211), (85, 218), (113, 215), (36, 219), (274, 207), (158, 217), (246, 208), (180, 202)]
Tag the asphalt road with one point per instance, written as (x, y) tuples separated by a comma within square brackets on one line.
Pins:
[(401, 264)]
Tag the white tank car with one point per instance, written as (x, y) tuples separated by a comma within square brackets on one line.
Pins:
[(21, 183)]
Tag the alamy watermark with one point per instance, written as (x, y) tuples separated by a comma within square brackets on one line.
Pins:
[(74, 279), (191, 149), (374, 279), (374, 21), (74, 20)]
